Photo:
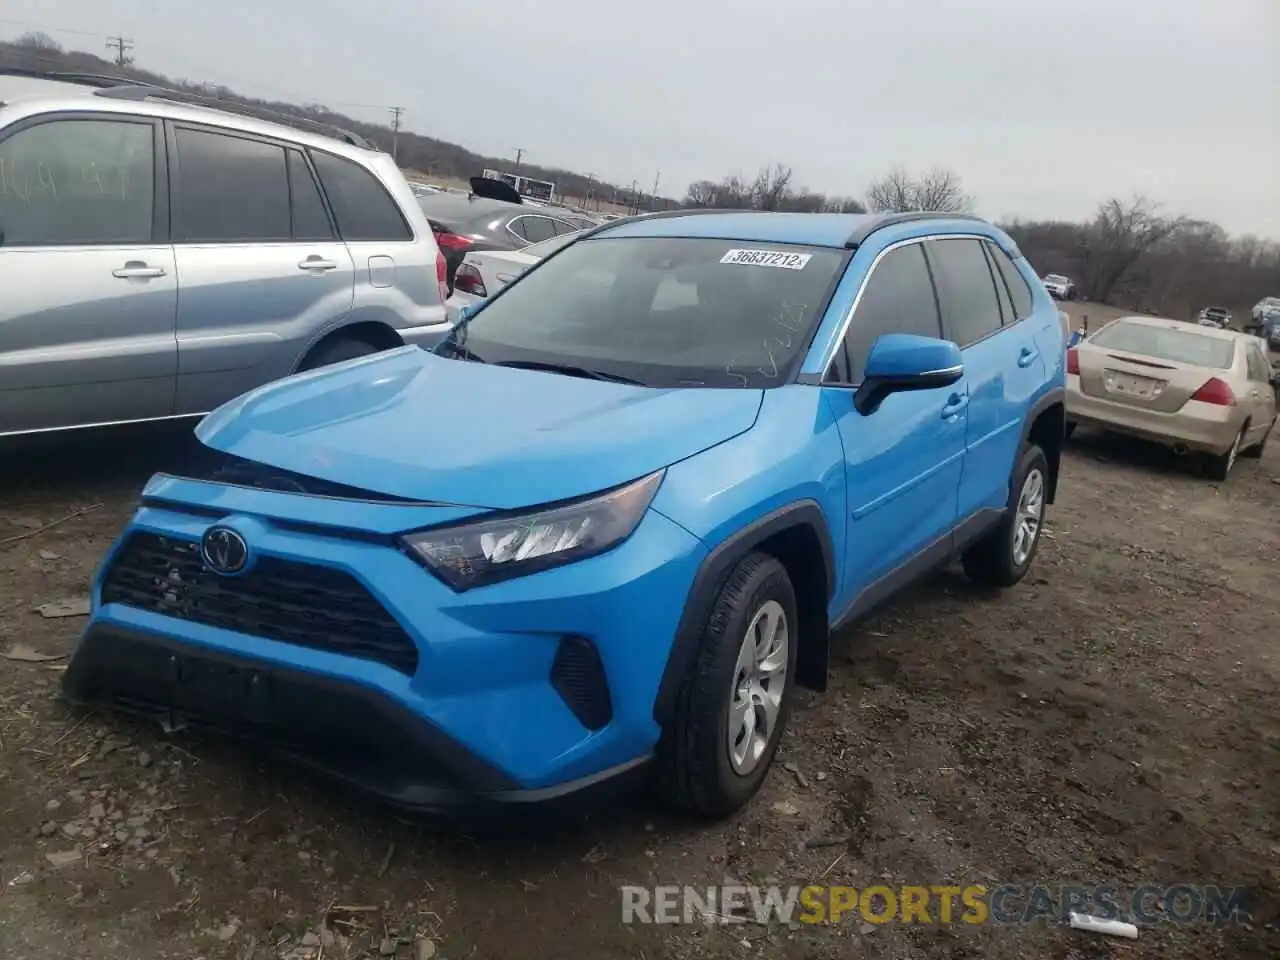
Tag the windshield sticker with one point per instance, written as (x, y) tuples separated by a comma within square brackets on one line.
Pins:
[(768, 258)]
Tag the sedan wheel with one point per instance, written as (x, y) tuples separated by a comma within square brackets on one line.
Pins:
[(1219, 467)]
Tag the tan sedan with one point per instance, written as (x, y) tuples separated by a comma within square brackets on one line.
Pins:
[(1195, 389)]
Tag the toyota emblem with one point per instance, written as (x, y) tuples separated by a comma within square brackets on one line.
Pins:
[(224, 551)]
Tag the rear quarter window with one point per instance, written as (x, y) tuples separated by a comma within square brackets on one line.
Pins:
[(361, 205)]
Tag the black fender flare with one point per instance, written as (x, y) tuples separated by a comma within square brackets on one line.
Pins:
[(1058, 396), (715, 567)]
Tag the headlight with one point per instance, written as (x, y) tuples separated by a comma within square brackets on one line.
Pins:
[(479, 553)]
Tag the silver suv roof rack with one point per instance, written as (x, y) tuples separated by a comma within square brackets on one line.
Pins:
[(132, 90), (126, 88)]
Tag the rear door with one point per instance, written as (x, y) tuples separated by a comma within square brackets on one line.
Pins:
[(88, 292), (1262, 395), (260, 267), (1002, 362)]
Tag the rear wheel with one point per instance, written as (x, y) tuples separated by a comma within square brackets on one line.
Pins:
[(733, 706), (1218, 467), (1004, 555), (1257, 450), (337, 350)]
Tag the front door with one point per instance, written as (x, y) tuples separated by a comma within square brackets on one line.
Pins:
[(902, 462), (260, 276), (88, 291)]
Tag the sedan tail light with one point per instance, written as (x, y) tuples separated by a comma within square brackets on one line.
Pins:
[(451, 242), (468, 280), (1216, 392), (1073, 361)]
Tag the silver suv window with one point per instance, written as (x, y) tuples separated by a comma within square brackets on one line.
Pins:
[(364, 209), (230, 189), (73, 182)]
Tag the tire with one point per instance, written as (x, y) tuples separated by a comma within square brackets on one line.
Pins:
[(1258, 449), (1218, 466), (1002, 557), (1070, 430), (335, 351), (695, 768)]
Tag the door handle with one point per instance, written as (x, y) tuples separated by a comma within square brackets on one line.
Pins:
[(317, 264), (137, 270), (1027, 356), (955, 406)]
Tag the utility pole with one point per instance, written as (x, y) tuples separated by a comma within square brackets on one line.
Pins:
[(122, 45), (519, 155), (654, 196), (395, 129)]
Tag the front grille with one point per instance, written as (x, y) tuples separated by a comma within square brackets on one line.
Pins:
[(298, 603)]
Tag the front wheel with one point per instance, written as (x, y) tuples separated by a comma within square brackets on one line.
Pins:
[(733, 706), (1003, 556)]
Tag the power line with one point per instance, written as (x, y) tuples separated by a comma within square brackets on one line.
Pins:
[(122, 45)]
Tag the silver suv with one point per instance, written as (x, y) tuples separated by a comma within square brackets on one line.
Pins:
[(160, 255)]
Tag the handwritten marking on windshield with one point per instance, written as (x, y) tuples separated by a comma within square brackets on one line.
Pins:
[(791, 318)]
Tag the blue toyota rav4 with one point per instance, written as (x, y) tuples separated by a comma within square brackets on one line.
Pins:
[(610, 523)]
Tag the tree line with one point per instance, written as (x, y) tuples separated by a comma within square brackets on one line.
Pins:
[(1130, 253)]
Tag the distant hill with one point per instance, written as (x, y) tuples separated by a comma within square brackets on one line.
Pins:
[(429, 156)]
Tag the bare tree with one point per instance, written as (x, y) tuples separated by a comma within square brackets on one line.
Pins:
[(938, 190), (772, 187), (1121, 234), (38, 41), (702, 193)]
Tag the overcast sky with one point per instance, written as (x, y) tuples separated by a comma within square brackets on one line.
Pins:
[(1043, 107)]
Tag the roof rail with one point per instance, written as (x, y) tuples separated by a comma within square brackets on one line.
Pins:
[(880, 221), (69, 76), (131, 90)]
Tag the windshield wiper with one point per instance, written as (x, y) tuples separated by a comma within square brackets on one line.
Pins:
[(568, 370)]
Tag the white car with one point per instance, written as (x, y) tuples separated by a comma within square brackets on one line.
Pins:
[(1059, 287), (482, 273)]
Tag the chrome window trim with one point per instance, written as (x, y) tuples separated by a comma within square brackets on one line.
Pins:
[(853, 308), (542, 216)]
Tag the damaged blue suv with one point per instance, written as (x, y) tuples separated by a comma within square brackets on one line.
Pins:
[(608, 526)]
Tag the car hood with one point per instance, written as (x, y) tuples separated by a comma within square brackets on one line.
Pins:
[(407, 423)]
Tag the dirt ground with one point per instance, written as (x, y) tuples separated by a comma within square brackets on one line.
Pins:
[(1112, 719)]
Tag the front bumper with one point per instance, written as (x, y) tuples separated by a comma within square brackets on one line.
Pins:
[(1199, 427), (479, 710)]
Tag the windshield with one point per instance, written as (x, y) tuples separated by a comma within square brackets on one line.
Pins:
[(1054, 278), (1167, 343), (663, 311), (546, 248)]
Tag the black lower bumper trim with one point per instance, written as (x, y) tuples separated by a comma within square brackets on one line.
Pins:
[(343, 730)]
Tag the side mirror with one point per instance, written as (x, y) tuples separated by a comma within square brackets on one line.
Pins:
[(900, 362), (466, 313)]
